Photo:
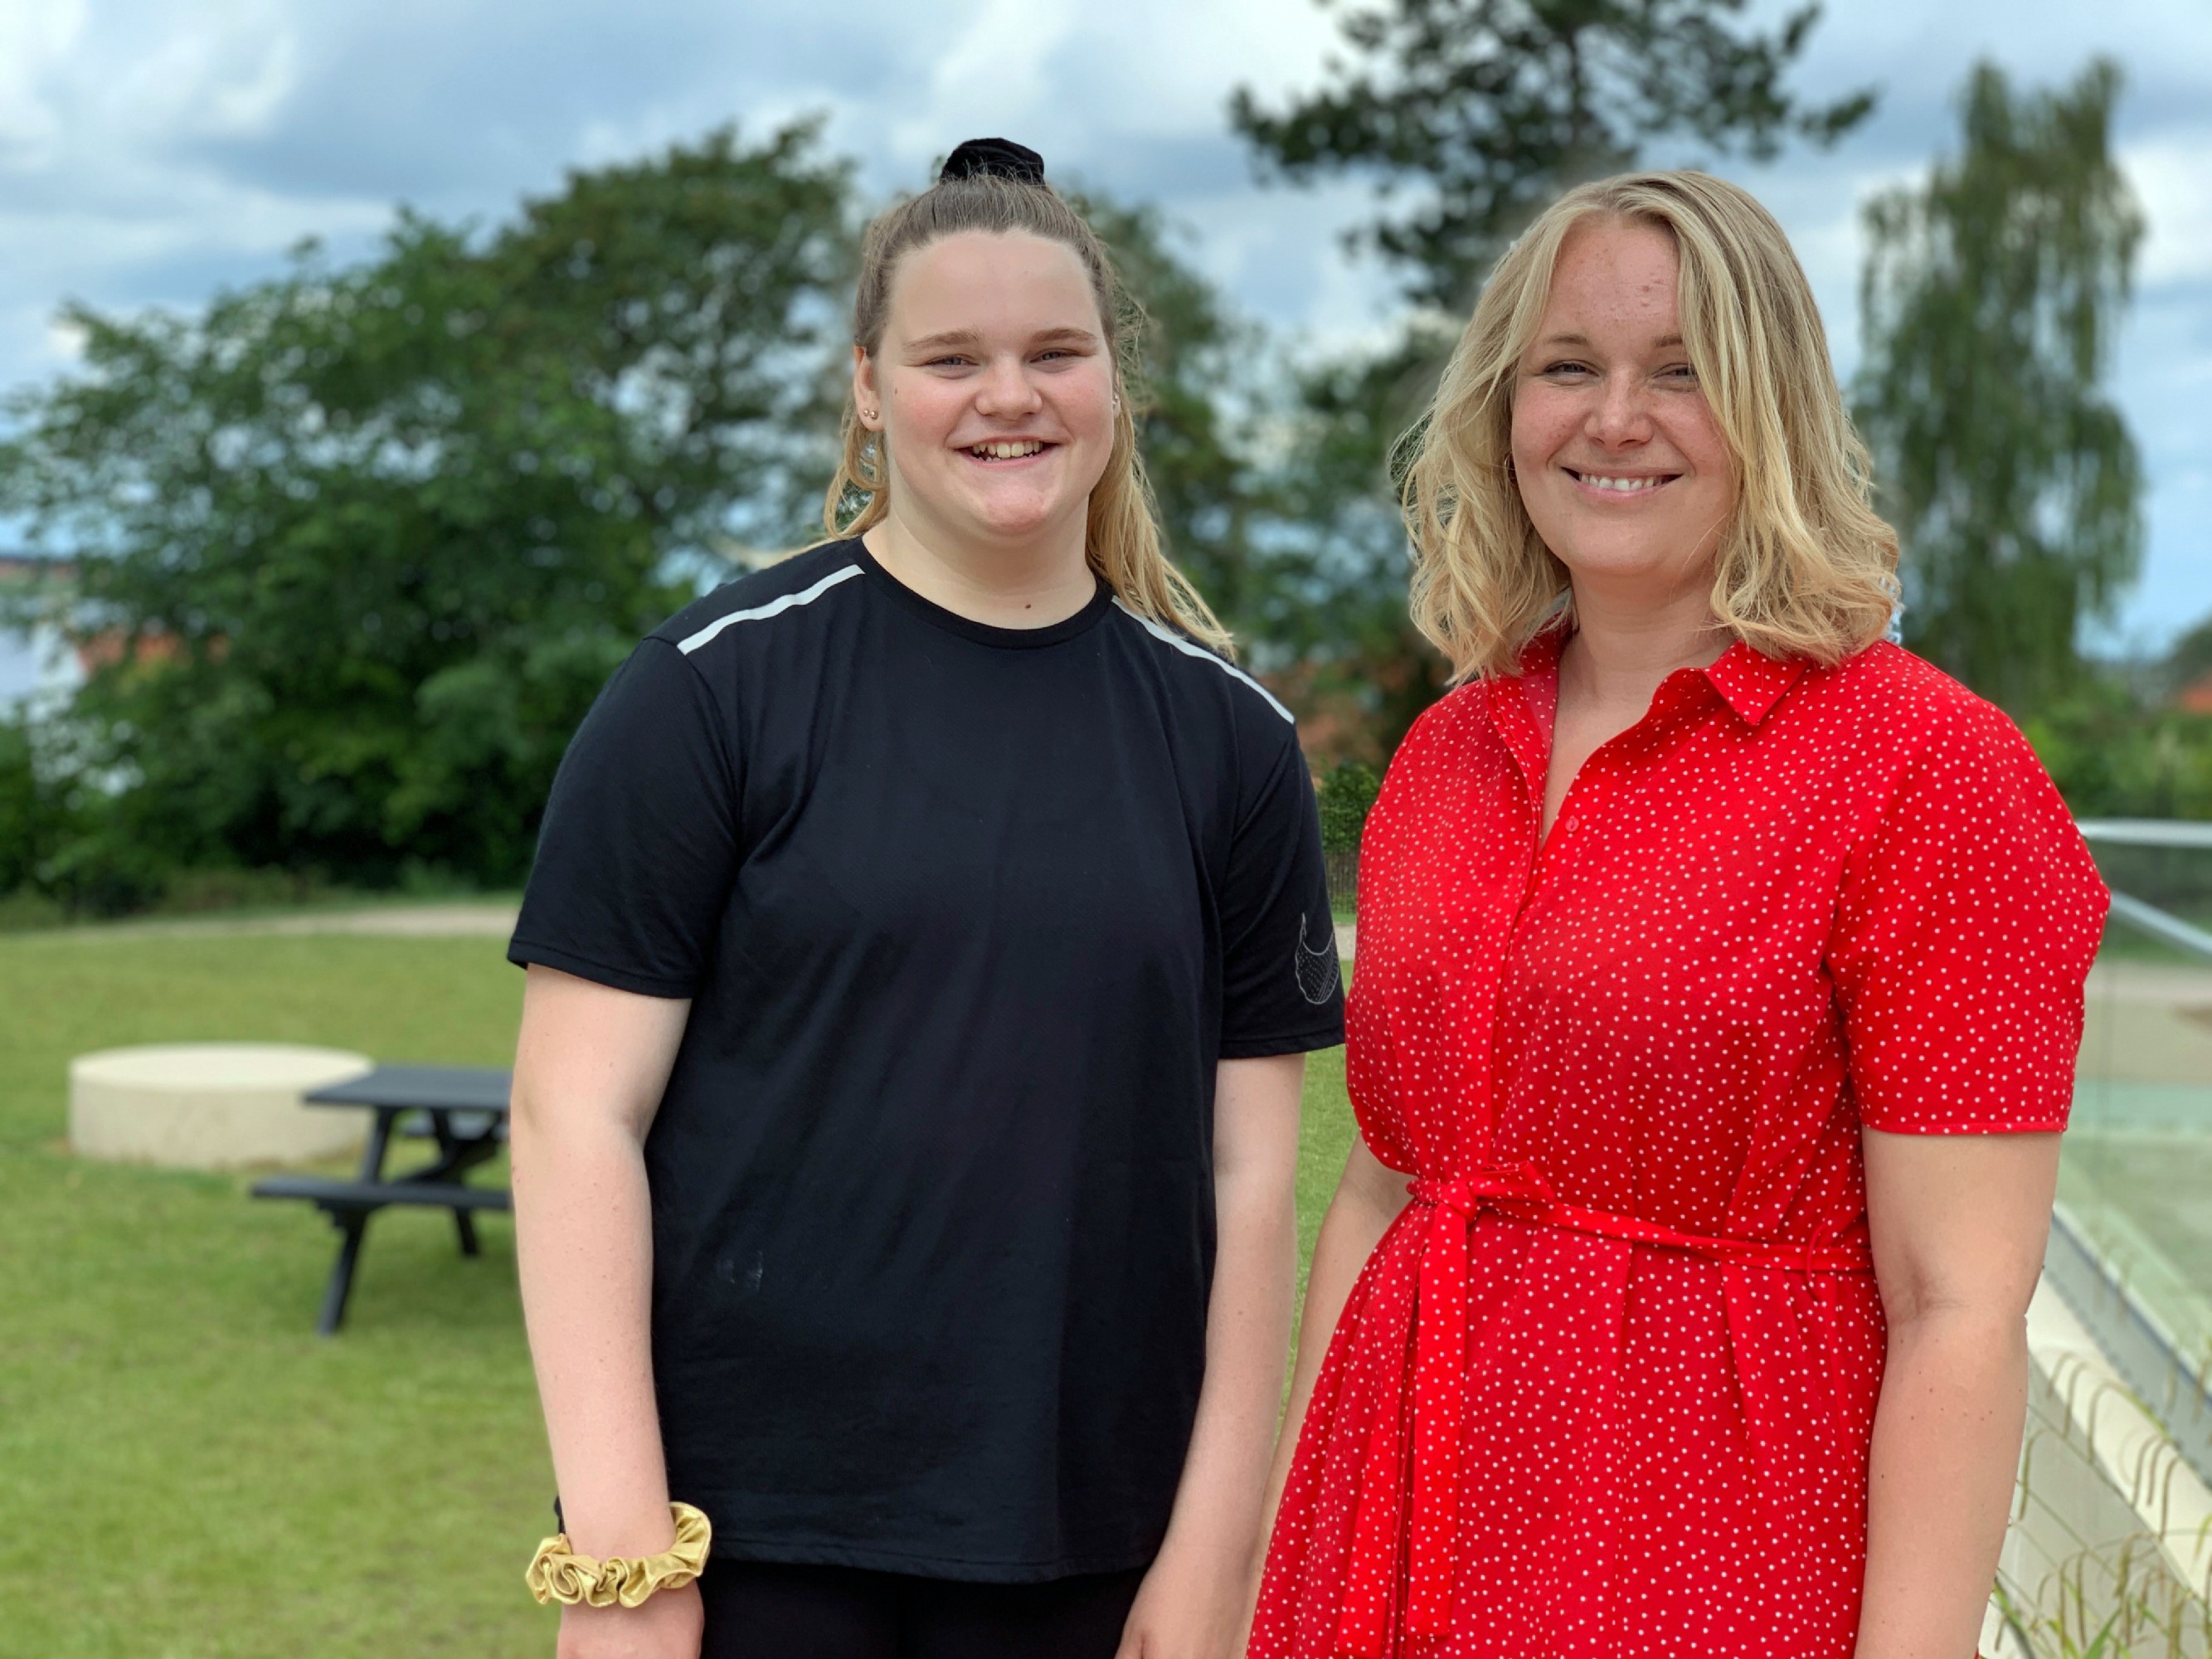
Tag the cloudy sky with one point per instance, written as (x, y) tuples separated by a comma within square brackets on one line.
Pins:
[(152, 151)]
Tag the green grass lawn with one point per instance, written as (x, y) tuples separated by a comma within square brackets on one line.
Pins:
[(185, 1470)]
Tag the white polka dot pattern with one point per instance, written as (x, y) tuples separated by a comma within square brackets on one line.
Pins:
[(1790, 901)]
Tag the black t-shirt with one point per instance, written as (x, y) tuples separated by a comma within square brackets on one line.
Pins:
[(968, 914)]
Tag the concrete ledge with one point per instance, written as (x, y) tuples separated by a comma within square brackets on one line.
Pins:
[(2153, 1325), (210, 1105)]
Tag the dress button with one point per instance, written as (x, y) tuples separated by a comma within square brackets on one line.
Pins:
[(1573, 824)]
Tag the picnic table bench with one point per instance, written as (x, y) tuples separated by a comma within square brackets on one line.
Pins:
[(461, 1108)]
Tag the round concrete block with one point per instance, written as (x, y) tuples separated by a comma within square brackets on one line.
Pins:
[(211, 1105)]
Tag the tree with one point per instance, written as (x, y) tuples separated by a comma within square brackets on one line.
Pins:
[(361, 542), (1363, 673), (1199, 372), (1489, 108), (31, 819), (1990, 295), (2111, 757), (1347, 793), (1264, 493)]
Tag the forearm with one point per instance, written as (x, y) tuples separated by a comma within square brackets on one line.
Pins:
[(1945, 1452), (1248, 1328), (1354, 1224), (583, 1236)]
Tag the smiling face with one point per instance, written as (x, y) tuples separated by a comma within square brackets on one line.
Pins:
[(994, 385), (1621, 465)]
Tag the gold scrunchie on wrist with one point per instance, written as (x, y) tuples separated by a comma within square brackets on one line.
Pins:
[(558, 1573)]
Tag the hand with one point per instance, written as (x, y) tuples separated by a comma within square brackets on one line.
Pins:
[(1189, 1608), (666, 1626)]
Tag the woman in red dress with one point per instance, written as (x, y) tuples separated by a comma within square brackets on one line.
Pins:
[(1719, 984)]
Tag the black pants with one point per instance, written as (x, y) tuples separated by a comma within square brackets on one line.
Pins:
[(766, 1610)]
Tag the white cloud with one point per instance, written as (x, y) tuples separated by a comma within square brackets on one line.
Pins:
[(34, 38), (1166, 69), (2172, 179), (992, 66), (1071, 77), (136, 77)]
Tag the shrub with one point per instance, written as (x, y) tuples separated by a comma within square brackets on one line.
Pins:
[(1347, 793), (35, 817), (2112, 757)]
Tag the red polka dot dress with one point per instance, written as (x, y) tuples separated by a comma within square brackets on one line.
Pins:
[(1605, 1388)]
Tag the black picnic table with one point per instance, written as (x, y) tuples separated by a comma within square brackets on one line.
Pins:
[(461, 1108)]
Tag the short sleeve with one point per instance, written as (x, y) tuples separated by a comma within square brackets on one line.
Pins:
[(640, 844), (1967, 921), (1282, 991)]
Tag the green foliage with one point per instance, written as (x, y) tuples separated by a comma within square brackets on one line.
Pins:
[(2111, 757), (1347, 795), (1362, 672), (365, 541), (33, 817), (1287, 540), (1265, 489), (1990, 297), (1489, 108)]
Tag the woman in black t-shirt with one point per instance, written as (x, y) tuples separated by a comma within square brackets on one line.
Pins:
[(925, 937)]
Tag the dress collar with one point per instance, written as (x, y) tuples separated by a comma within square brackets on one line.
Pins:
[(1749, 682)]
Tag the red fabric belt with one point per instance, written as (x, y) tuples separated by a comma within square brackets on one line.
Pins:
[(1384, 1519)]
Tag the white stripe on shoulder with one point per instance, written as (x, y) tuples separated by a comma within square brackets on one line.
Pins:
[(1169, 636), (773, 608)]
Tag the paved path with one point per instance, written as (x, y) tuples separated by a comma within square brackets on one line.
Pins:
[(398, 921), (473, 921)]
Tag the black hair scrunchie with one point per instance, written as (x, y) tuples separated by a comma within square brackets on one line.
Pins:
[(1001, 155)]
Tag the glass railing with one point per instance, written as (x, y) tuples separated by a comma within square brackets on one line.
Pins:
[(2110, 1548), (2135, 1182)]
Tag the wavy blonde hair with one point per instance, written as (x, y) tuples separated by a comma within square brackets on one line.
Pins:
[(1121, 539), (1805, 568)]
